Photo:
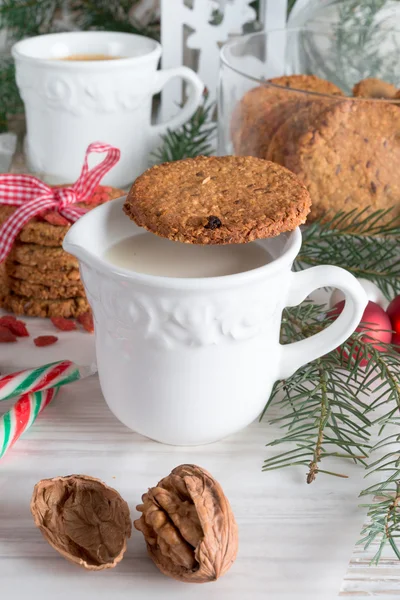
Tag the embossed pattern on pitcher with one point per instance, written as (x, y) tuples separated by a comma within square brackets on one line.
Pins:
[(170, 322)]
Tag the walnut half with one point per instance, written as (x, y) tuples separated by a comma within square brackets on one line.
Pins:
[(86, 521), (189, 528)]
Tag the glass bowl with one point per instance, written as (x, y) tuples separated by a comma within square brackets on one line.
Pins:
[(294, 97)]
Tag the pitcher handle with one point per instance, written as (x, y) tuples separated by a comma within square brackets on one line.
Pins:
[(297, 354), (195, 94)]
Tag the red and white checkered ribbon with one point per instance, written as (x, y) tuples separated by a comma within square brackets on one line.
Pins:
[(35, 197)]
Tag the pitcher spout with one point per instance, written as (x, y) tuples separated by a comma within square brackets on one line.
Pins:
[(92, 234), (76, 240), (73, 245)]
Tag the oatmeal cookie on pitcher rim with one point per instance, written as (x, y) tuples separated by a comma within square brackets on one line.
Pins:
[(218, 200)]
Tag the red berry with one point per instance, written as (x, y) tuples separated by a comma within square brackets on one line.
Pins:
[(63, 324), (100, 195), (45, 340), (18, 328), (54, 218), (376, 325), (86, 320), (6, 319), (6, 335)]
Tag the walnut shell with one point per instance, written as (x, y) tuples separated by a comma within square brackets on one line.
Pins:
[(189, 528), (86, 521)]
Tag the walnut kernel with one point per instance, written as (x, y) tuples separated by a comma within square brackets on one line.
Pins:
[(189, 528)]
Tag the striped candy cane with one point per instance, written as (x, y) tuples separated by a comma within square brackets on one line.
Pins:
[(42, 378), (21, 416)]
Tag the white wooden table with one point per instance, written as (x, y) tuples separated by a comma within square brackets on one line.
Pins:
[(295, 540)]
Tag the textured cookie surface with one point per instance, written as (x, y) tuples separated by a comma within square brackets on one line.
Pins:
[(374, 88), (264, 109), (310, 83), (36, 232), (44, 292), (284, 142), (4, 289), (43, 258), (349, 159), (258, 115), (41, 232), (35, 307), (49, 277), (218, 200)]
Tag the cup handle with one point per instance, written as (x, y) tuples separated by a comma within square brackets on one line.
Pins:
[(297, 354), (195, 94)]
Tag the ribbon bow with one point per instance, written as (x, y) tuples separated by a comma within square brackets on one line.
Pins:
[(35, 197)]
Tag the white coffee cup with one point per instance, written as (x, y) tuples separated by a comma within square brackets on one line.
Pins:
[(71, 103), (189, 361)]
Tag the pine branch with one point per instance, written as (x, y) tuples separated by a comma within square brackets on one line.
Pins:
[(21, 18), (10, 100), (383, 377), (24, 18), (357, 42), (325, 412), (384, 509), (359, 242), (192, 139), (291, 4), (111, 15), (322, 422), (321, 406)]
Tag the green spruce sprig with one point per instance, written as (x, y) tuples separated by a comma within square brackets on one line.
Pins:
[(326, 413), (25, 18), (356, 45), (322, 406), (330, 408), (19, 19), (384, 508), (366, 244), (10, 100), (112, 15), (325, 407), (194, 138)]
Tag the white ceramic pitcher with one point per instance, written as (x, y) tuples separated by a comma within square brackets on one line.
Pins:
[(189, 361)]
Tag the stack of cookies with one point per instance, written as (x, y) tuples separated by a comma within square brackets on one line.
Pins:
[(39, 278), (345, 150)]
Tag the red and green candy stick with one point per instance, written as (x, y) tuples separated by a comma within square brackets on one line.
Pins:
[(21, 416), (42, 378)]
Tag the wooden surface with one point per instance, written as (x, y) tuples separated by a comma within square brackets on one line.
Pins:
[(364, 581), (295, 540)]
